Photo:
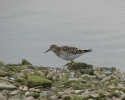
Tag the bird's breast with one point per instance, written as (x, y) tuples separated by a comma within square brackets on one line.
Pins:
[(69, 56)]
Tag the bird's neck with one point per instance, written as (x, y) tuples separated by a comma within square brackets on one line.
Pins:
[(57, 51)]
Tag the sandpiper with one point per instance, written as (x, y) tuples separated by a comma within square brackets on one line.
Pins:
[(67, 52)]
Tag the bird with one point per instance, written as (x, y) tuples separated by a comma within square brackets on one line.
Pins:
[(68, 53)]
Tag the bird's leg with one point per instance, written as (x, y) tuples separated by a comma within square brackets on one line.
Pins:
[(69, 64)]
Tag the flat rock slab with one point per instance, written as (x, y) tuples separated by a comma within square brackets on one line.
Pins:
[(7, 86)]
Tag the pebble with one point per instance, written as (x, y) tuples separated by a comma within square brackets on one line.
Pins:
[(2, 97), (14, 92), (6, 86), (25, 89)]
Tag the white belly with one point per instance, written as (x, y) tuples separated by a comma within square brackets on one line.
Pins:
[(69, 56)]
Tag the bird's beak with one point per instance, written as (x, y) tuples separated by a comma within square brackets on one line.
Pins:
[(47, 50)]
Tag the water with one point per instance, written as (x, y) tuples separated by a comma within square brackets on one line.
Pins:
[(28, 28)]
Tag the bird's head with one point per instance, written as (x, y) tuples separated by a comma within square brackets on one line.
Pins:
[(52, 48)]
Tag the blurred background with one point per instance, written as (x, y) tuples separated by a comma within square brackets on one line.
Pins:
[(28, 28)]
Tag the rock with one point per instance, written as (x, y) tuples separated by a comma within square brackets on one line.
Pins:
[(90, 99), (86, 95), (69, 91), (28, 98), (114, 98), (50, 75), (78, 65), (14, 92), (77, 74), (21, 88), (34, 80), (101, 76), (33, 94), (106, 79), (123, 96), (66, 97), (115, 93), (89, 71), (111, 87), (76, 86), (104, 93), (2, 64), (42, 74), (120, 86), (63, 76), (54, 97), (44, 93), (25, 62), (69, 82), (14, 98), (2, 97), (32, 89), (60, 94), (37, 90), (25, 89), (6, 86), (78, 91), (3, 73), (5, 93), (94, 95), (27, 93), (54, 89)]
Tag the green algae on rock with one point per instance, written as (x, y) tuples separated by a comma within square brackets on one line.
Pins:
[(25, 62), (2, 64), (3, 73), (78, 65), (34, 80)]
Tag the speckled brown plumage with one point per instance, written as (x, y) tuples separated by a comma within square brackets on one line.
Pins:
[(67, 52)]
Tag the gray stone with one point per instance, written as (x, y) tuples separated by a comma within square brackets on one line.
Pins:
[(28, 98), (54, 97), (6, 86), (14, 99), (120, 86), (66, 97), (106, 79), (78, 91), (14, 92), (2, 97), (94, 95), (3, 73), (5, 93)]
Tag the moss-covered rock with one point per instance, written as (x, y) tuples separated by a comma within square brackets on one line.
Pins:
[(14, 68), (78, 65), (34, 80), (21, 81), (33, 94), (2, 64), (3, 73), (89, 71), (25, 62), (69, 83), (76, 86)]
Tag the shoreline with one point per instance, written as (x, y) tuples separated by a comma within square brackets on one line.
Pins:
[(79, 81)]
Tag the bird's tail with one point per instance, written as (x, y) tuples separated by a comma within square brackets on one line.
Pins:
[(89, 50)]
